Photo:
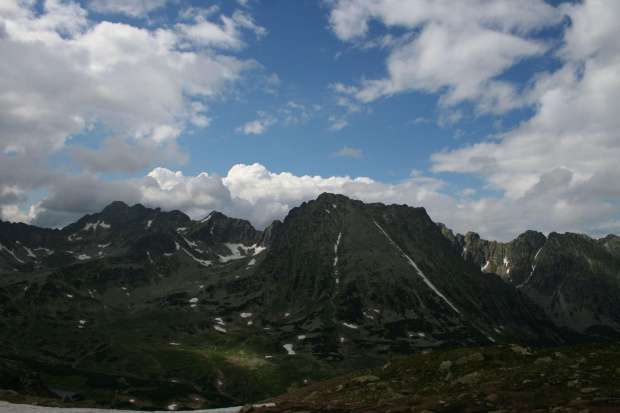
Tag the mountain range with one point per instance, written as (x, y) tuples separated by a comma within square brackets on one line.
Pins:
[(141, 308)]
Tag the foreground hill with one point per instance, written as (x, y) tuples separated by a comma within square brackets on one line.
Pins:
[(141, 308)]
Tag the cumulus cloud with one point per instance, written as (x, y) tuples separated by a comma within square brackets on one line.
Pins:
[(134, 8), (258, 126), (63, 76), (561, 166), (454, 48), (348, 152)]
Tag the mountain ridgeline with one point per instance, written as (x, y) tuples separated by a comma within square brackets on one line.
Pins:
[(151, 309)]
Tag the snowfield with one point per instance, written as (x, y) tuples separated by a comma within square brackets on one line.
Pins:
[(25, 408)]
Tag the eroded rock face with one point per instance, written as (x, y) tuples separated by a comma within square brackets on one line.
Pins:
[(573, 277), (219, 306)]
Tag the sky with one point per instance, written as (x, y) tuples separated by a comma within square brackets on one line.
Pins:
[(497, 116)]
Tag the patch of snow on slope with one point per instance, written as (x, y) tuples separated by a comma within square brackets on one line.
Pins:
[(190, 243), (246, 315), (47, 250), (336, 249), (83, 257), (94, 226), (2, 247), (30, 253), (420, 273), (220, 329), (353, 326), (199, 261), (301, 337), (193, 300), (240, 251), (208, 217), (251, 263), (220, 321), (485, 266), (149, 223), (289, 349)]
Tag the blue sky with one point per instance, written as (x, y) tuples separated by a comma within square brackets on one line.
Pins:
[(496, 116)]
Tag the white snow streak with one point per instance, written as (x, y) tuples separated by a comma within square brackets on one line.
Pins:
[(199, 261), (420, 273), (94, 226), (220, 329), (2, 247), (289, 349), (353, 326), (240, 251)]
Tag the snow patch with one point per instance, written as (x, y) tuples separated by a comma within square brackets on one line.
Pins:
[(193, 300), (172, 407), (485, 266), (30, 253), (94, 226), (220, 329), (69, 295), (239, 251), (289, 349), (420, 273), (301, 337), (149, 223), (182, 229), (536, 256), (175, 344), (246, 315), (190, 243), (207, 218), (2, 247), (353, 326), (83, 257), (198, 260), (220, 321), (82, 322)]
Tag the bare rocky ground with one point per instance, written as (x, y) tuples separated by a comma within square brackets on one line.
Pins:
[(506, 378)]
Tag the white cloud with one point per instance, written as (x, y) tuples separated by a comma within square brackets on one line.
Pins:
[(348, 152), (258, 126), (62, 75), (226, 35), (453, 48), (337, 123), (134, 8), (560, 168)]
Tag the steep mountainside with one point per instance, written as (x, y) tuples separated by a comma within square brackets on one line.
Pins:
[(575, 278), (142, 308)]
